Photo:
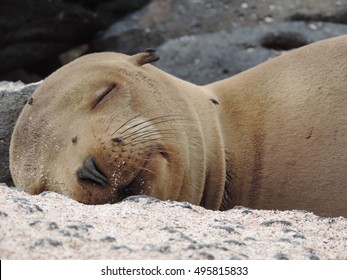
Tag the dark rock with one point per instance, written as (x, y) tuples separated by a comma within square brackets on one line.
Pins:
[(240, 207), (249, 239), (121, 248), (235, 242), (327, 220), (79, 225), (164, 249), (163, 20), (197, 246), (207, 58), (238, 257), (294, 233), (35, 223), (157, 248), (64, 232), (283, 41), (36, 31), (13, 97), (3, 214), (53, 226), (108, 239), (339, 17), (53, 242), (229, 229), (34, 34), (286, 240), (141, 199), (26, 204), (276, 222), (297, 235), (182, 235), (207, 256), (110, 11), (45, 241), (175, 204), (45, 193), (312, 255), (281, 256), (301, 211)]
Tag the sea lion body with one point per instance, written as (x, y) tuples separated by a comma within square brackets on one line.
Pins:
[(106, 126), (284, 126)]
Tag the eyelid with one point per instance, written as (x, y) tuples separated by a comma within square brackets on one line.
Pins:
[(101, 95)]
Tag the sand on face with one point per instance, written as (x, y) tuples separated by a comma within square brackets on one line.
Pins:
[(52, 226)]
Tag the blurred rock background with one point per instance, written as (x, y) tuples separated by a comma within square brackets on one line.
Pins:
[(37, 37), (198, 40)]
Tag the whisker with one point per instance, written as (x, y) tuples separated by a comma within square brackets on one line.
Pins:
[(145, 133), (127, 122), (147, 140), (151, 134), (154, 149), (148, 170), (202, 146), (150, 120), (191, 144), (144, 127), (113, 118), (139, 133)]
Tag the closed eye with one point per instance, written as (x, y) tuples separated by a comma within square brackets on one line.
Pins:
[(104, 94)]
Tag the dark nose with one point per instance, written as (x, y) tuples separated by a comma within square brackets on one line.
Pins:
[(90, 172)]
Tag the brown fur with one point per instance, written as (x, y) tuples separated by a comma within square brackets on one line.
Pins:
[(285, 125), (272, 137)]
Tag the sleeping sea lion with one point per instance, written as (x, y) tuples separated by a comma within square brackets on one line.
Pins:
[(107, 126)]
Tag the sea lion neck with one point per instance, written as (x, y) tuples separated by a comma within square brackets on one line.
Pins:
[(241, 117), (206, 105)]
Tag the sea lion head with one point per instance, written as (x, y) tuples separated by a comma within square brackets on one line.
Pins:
[(106, 126)]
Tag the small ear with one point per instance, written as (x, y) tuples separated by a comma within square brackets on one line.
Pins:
[(144, 57)]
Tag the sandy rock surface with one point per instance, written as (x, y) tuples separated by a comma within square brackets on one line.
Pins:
[(52, 226)]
